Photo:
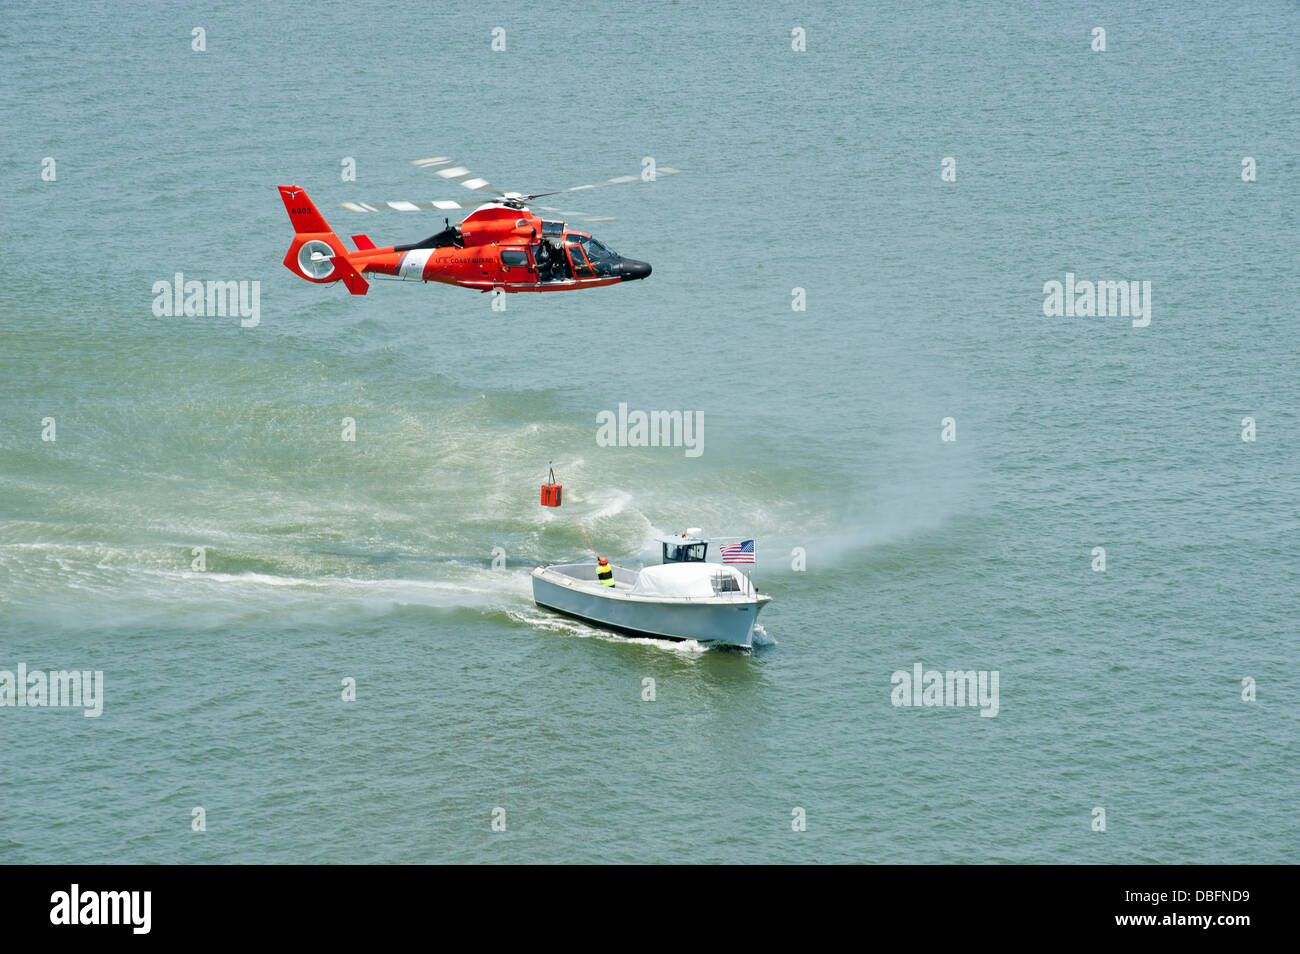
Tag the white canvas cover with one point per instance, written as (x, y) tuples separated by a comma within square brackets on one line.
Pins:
[(682, 580)]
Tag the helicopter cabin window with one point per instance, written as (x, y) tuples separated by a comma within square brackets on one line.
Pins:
[(552, 229), (514, 257)]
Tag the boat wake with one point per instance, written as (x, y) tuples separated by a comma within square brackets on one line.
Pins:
[(554, 623)]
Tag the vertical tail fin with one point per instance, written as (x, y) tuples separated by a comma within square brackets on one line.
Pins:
[(302, 211), (317, 254)]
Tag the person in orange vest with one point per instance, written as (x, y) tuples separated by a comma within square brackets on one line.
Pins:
[(604, 572)]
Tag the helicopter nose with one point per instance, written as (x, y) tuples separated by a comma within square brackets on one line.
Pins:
[(631, 269)]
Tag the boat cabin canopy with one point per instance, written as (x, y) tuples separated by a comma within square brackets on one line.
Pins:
[(691, 581)]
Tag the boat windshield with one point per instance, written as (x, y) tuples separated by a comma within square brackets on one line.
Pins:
[(684, 552)]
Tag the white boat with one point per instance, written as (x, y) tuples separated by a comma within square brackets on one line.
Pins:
[(684, 598)]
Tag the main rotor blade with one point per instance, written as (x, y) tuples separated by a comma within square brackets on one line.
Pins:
[(402, 206), (446, 206), (571, 216), (448, 169), (617, 180)]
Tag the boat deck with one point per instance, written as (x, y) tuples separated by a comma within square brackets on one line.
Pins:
[(582, 578)]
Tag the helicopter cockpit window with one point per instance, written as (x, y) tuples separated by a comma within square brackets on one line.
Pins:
[(602, 259), (513, 257), (580, 267), (595, 251)]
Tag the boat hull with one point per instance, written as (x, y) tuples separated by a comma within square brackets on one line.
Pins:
[(727, 622)]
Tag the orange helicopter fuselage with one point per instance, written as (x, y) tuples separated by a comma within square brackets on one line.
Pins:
[(496, 246)]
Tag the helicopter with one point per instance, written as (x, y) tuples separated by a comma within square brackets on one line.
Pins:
[(502, 244)]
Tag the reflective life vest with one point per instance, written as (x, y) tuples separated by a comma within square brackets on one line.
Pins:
[(605, 574)]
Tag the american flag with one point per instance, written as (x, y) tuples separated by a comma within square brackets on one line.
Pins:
[(737, 552)]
